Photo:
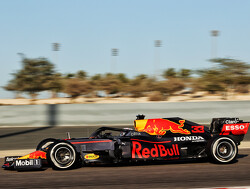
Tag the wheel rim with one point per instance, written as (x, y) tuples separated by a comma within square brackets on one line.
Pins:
[(63, 155), (224, 150)]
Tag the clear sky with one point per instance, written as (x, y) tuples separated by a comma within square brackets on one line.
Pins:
[(88, 29)]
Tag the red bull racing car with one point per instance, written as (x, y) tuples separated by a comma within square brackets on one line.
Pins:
[(151, 140)]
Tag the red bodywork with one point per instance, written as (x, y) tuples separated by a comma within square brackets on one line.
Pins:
[(235, 129)]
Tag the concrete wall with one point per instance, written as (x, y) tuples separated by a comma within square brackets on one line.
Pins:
[(119, 114)]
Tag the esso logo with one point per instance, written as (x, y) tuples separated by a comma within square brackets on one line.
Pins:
[(235, 127)]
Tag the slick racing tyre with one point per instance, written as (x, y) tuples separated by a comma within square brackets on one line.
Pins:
[(62, 155), (44, 144), (222, 150)]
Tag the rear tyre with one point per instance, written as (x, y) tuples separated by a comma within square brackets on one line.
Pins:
[(222, 150), (62, 155), (44, 144)]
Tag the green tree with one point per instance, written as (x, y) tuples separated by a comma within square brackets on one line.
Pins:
[(232, 70), (96, 77), (76, 87), (33, 77), (69, 75), (210, 80), (141, 85), (233, 73), (184, 73), (110, 83), (227, 75), (56, 84), (16, 84), (122, 78), (169, 73), (169, 87), (81, 74)]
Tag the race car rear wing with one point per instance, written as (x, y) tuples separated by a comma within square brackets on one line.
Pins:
[(229, 126)]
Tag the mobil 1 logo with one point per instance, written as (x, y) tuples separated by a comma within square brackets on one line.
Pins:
[(28, 164)]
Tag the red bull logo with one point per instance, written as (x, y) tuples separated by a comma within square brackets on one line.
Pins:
[(156, 151), (160, 126), (35, 155)]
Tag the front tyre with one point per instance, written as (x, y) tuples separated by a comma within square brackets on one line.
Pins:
[(62, 155), (44, 144), (222, 150)]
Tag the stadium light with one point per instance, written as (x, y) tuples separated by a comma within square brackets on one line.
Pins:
[(157, 44), (114, 54), (214, 34), (55, 46)]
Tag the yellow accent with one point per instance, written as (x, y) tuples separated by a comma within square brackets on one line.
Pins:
[(24, 157), (140, 124), (91, 156)]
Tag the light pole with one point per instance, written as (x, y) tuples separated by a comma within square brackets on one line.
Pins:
[(214, 34), (56, 48), (114, 54), (21, 55), (157, 44)]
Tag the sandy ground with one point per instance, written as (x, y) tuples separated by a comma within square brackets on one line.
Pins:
[(200, 96)]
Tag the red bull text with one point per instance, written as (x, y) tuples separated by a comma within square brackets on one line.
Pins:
[(155, 151)]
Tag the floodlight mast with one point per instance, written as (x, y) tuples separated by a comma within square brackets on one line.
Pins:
[(114, 54), (214, 34)]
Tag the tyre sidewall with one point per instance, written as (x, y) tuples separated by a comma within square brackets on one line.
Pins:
[(53, 149), (213, 149)]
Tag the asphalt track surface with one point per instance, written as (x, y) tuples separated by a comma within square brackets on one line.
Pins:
[(192, 174)]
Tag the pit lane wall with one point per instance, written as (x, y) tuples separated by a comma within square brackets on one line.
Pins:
[(118, 114)]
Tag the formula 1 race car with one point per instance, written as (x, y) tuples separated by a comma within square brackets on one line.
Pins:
[(150, 140)]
